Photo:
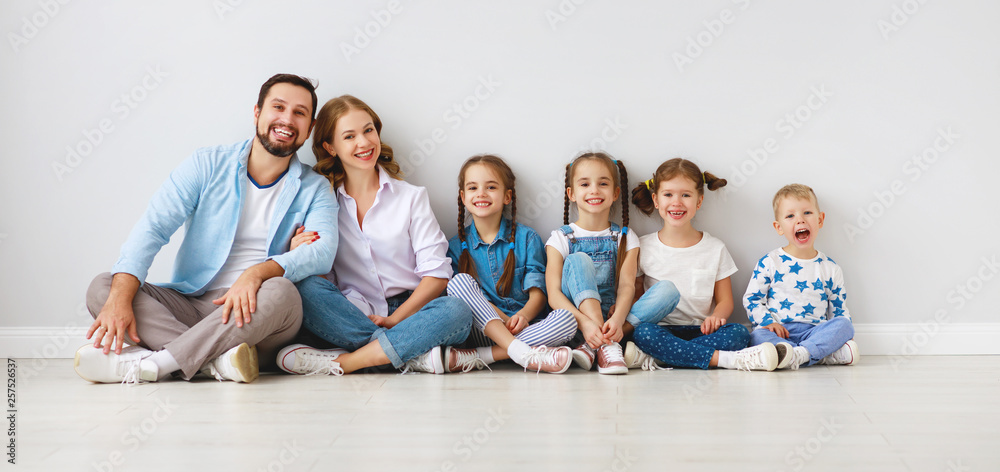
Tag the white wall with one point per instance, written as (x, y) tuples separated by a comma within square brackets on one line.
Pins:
[(882, 78)]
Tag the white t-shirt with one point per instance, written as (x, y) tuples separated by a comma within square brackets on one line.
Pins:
[(559, 240), (250, 243), (693, 270)]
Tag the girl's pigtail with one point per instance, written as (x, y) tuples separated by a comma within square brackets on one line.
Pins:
[(642, 197), (507, 277), (712, 182), (566, 195), (465, 262), (623, 175)]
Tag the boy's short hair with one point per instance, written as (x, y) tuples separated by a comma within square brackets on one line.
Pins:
[(799, 191)]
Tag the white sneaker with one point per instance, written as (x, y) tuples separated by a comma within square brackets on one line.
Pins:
[(554, 360), (429, 362), (305, 360), (636, 359), (239, 364), (760, 357), (800, 357), (583, 356), (785, 355), (848, 354), (92, 364), (610, 360), (463, 360)]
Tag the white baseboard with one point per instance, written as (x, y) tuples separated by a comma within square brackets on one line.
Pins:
[(873, 339)]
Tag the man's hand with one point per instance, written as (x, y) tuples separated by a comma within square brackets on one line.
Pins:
[(112, 323), (241, 299), (778, 329)]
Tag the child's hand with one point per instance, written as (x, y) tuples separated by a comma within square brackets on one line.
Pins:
[(712, 324), (516, 324), (592, 334), (612, 330), (382, 321), (778, 329), (302, 237)]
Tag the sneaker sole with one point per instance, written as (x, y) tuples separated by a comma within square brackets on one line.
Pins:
[(582, 360), (631, 352), (855, 354), (245, 362), (785, 361), (772, 356), (613, 370)]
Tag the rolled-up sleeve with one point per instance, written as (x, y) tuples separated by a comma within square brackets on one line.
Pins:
[(534, 266)]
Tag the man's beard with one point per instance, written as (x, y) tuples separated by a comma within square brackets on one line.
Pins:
[(276, 149)]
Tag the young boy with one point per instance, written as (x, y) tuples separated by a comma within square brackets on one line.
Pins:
[(796, 297)]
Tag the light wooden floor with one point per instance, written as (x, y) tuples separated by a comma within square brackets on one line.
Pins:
[(926, 413)]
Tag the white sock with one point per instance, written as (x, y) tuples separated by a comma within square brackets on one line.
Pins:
[(165, 363), (517, 351), (804, 353), (486, 354), (727, 359)]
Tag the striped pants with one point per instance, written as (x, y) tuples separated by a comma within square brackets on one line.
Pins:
[(556, 329)]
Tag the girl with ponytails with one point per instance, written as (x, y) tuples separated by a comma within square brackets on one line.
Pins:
[(592, 265), (500, 272)]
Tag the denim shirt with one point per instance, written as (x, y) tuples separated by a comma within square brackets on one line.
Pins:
[(205, 193), (529, 263)]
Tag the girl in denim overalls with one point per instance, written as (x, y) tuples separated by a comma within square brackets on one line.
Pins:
[(592, 265), (508, 259)]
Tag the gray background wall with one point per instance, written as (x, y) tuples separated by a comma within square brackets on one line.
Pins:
[(887, 108)]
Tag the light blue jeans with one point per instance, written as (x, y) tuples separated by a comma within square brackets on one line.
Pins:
[(820, 340), (579, 282), (327, 313)]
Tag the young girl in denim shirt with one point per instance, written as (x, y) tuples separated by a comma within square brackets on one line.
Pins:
[(696, 334), (592, 263), (500, 273)]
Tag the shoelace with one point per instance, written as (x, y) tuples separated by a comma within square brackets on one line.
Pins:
[(315, 363), (798, 360), (745, 360), (649, 363), (613, 352), (540, 356), (468, 361), (129, 370), (416, 365)]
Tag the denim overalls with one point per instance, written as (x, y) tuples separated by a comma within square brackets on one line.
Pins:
[(589, 269)]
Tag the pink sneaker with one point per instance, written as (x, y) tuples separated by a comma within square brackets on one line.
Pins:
[(610, 359), (583, 356), (554, 360)]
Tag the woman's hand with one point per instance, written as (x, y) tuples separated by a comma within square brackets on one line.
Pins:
[(302, 237)]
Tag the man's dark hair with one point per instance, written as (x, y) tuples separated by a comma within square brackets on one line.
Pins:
[(287, 79)]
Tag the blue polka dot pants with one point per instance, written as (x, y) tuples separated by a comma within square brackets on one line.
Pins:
[(685, 346)]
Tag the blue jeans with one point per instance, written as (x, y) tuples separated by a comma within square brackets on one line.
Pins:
[(579, 282), (685, 346), (326, 313), (820, 340)]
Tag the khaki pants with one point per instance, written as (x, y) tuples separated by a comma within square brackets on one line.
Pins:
[(191, 328)]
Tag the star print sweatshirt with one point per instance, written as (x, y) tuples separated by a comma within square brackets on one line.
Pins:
[(787, 289)]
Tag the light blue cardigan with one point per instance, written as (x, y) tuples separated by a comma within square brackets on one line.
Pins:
[(206, 194)]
